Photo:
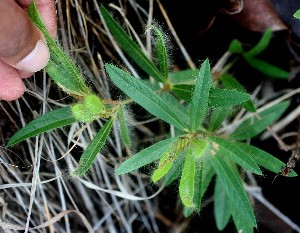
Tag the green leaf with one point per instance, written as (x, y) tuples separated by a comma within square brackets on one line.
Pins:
[(91, 108), (175, 170), (197, 184), (164, 165), (252, 126), (231, 182), (261, 45), (221, 206), (235, 47), (161, 51), (51, 120), (124, 132), (207, 173), (222, 98), (171, 100), (187, 211), (203, 175), (80, 113), (94, 105), (130, 47), (181, 111), (199, 147), (60, 68), (186, 77), (241, 224), (234, 153), (263, 158), (268, 69), (183, 91), (217, 117), (143, 95), (200, 95), (297, 14), (146, 156), (186, 186), (90, 153), (218, 97), (229, 82)]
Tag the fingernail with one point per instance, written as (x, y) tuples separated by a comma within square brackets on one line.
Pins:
[(36, 60)]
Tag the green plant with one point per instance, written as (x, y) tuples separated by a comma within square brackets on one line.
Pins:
[(251, 58), (297, 14), (196, 153)]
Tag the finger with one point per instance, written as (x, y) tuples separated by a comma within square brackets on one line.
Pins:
[(25, 74), (47, 11), (21, 43), (11, 85)]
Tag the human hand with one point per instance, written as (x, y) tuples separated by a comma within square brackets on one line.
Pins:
[(23, 49)]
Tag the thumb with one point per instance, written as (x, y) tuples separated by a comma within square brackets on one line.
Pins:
[(22, 45)]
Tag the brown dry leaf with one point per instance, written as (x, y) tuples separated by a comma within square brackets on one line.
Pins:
[(231, 7), (258, 15)]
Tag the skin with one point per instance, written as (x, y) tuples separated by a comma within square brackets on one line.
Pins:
[(18, 38)]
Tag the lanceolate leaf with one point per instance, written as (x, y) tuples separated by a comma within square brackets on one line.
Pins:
[(179, 108), (231, 182), (231, 83), (207, 173), (221, 206), (252, 129), (175, 170), (199, 101), (197, 185), (187, 211), (199, 147), (90, 153), (161, 51), (51, 120), (297, 14), (60, 68), (130, 47), (164, 165), (186, 186), (267, 68), (223, 98), (263, 158), (183, 91), (241, 224), (234, 153), (204, 173), (123, 127), (235, 47), (146, 156), (187, 77), (261, 45), (171, 100), (143, 95), (254, 125)]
